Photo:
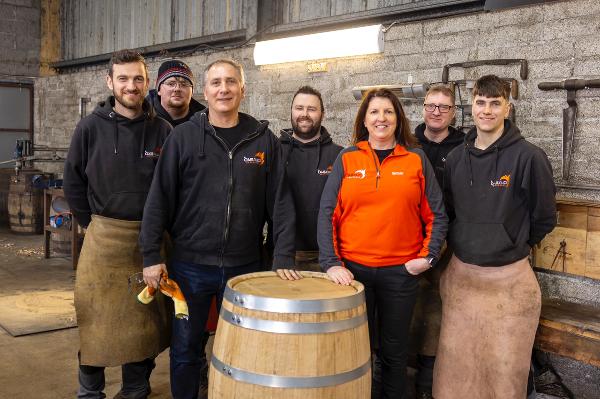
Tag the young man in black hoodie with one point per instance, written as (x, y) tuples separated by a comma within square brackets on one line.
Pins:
[(172, 99), (215, 182), (308, 155), (107, 176), (500, 193), (437, 138)]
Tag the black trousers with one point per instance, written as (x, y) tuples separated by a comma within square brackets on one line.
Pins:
[(393, 292)]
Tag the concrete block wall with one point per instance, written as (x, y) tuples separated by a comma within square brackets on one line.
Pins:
[(559, 40), (19, 38)]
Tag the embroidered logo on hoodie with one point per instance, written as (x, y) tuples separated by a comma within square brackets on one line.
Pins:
[(358, 174), (257, 159), (327, 171), (152, 154), (504, 181)]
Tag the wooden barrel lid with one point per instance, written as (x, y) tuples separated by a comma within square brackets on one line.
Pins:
[(313, 286)]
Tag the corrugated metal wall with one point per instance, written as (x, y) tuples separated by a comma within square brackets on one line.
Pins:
[(92, 27), (305, 10)]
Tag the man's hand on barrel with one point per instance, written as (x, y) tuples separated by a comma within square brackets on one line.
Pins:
[(152, 274), (340, 275), (417, 266), (289, 274)]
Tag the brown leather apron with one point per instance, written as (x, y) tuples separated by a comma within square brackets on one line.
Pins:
[(308, 261), (489, 320), (114, 328)]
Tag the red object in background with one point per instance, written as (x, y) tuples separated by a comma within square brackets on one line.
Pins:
[(213, 316)]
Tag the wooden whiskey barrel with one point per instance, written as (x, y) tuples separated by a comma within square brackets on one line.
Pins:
[(5, 176), (25, 204), (305, 339)]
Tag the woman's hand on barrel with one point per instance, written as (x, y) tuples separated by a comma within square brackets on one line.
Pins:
[(340, 275), (288, 274), (417, 266), (152, 274)]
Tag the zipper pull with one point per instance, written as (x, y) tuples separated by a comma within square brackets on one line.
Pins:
[(230, 155)]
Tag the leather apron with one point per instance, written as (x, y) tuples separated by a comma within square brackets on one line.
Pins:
[(114, 328), (489, 319)]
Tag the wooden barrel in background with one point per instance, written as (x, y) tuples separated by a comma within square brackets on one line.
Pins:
[(25, 204), (304, 339), (5, 176)]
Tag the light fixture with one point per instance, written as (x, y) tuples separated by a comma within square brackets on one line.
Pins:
[(334, 44)]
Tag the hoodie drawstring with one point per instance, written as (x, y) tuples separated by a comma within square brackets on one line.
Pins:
[(318, 156), (143, 142), (468, 161), (115, 132)]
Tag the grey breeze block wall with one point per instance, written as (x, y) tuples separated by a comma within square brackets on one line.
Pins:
[(19, 37), (559, 39)]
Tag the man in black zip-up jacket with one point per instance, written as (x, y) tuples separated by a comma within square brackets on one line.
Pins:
[(437, 138), (172, 99), (308, 155), (499, 191), (107, 175), (217, 175)]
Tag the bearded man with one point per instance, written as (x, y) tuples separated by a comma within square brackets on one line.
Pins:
[(107, 176)]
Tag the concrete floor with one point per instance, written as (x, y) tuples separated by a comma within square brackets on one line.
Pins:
[(44, 365)]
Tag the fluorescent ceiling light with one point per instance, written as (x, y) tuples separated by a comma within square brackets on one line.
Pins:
[(339, 43)]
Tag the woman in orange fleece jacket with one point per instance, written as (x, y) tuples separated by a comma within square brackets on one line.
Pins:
[(382, 222)]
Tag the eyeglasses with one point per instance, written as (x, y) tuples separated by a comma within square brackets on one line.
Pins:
[(442, 107), (174, 83)]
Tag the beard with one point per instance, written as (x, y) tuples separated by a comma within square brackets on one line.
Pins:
[(129, 104), (306, 134)]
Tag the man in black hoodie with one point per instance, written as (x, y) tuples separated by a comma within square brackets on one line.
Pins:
[(437, 138), (308, 154), (499, 191), (215, 179), (107, 176), (172, 99)]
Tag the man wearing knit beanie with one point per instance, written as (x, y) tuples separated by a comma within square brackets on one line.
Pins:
[(172, 98)]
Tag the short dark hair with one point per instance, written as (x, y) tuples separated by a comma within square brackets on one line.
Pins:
[(125, 57), (442, 88), (403, 134), (312, 91), (491, 86)]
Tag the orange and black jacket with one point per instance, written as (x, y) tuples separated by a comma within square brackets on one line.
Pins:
[(380, 214)]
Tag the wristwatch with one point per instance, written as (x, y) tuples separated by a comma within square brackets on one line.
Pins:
[(432, 260)]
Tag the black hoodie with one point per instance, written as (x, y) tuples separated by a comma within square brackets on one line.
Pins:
[(307, 166), (111, 161), (437, 152), (500, 200), (212, 200), (154, 99)]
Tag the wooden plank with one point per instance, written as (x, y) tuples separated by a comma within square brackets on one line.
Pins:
[(556, 338), (572, 229), (592, 253)]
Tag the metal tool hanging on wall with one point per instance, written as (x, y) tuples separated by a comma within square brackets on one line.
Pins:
[(410, 91), (569, 115)]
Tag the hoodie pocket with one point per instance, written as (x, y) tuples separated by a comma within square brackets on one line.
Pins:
[(480, 238), (243, 232), (125, 205)]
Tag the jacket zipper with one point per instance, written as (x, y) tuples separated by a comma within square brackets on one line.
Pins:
[(376, 167), (230, 187)]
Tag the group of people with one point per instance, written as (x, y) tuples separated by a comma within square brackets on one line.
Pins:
[(167, 186)]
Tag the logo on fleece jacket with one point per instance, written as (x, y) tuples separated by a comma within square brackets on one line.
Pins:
[(358, 174), (504, 181), (257, 159), (152, 154), (327, 171)]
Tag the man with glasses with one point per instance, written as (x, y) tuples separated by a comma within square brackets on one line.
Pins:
[(437, 138), (172, 98)]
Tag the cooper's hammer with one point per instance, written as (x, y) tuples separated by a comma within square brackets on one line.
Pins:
[(569, 114)]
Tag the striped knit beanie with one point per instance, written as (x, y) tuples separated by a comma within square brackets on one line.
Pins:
[(174, 68)]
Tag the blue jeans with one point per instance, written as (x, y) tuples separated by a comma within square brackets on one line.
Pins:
[(199, 283)]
